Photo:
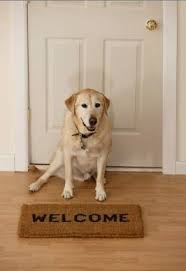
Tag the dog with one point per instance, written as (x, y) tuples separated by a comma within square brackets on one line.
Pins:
[(85, 143)]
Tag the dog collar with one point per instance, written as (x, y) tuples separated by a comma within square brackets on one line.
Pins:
[(84, 135), (83, 146)]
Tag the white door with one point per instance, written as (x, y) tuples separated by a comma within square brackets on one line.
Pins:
[(102, 45)]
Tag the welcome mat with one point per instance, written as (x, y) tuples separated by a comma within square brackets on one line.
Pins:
[(80, 220)]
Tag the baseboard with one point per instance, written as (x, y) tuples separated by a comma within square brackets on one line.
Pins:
[(181, 167), (7, 162), (134, 169), (127, 169)]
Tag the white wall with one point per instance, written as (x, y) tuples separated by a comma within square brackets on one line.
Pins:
[(7, 86), (181, 73), (7, 96)]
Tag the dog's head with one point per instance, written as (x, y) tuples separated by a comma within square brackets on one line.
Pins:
[(88, 107)]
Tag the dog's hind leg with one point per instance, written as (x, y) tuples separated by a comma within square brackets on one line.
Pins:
[(56, 163)]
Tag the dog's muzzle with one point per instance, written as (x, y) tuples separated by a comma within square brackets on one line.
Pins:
[(92, 122)]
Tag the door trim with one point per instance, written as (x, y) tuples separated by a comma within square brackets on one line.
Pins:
[(170, 14), (169, 87), (21, 86)]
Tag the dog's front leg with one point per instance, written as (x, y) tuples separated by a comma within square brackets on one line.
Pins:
[(101, 165), (68, 189)]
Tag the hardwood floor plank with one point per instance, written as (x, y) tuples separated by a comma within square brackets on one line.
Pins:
[(163, 201)]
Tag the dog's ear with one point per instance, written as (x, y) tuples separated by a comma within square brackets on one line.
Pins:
[(106, 103), (70, 103)]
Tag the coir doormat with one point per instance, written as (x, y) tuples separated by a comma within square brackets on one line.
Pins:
[(80, 220)]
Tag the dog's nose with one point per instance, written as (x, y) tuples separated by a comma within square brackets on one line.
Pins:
[(92, 121)]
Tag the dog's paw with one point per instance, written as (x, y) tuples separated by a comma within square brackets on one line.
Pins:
[(67, 193), (100, 195), (33, 187)]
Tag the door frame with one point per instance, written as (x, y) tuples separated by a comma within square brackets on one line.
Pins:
[(169, 86)]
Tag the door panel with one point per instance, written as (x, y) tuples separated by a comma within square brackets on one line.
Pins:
[(64, 58), (123, 60), (102, 45)]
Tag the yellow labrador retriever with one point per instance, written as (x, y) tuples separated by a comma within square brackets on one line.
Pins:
[(84, 145)]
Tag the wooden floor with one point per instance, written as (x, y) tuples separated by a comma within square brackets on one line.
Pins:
[(163, 201)]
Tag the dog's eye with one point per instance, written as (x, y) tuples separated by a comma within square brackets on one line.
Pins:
[(84, 105), (97, 104)]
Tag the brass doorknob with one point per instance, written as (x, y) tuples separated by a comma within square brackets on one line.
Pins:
[(151, 24)]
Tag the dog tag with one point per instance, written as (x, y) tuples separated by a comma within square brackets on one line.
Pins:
[(83, 147)]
